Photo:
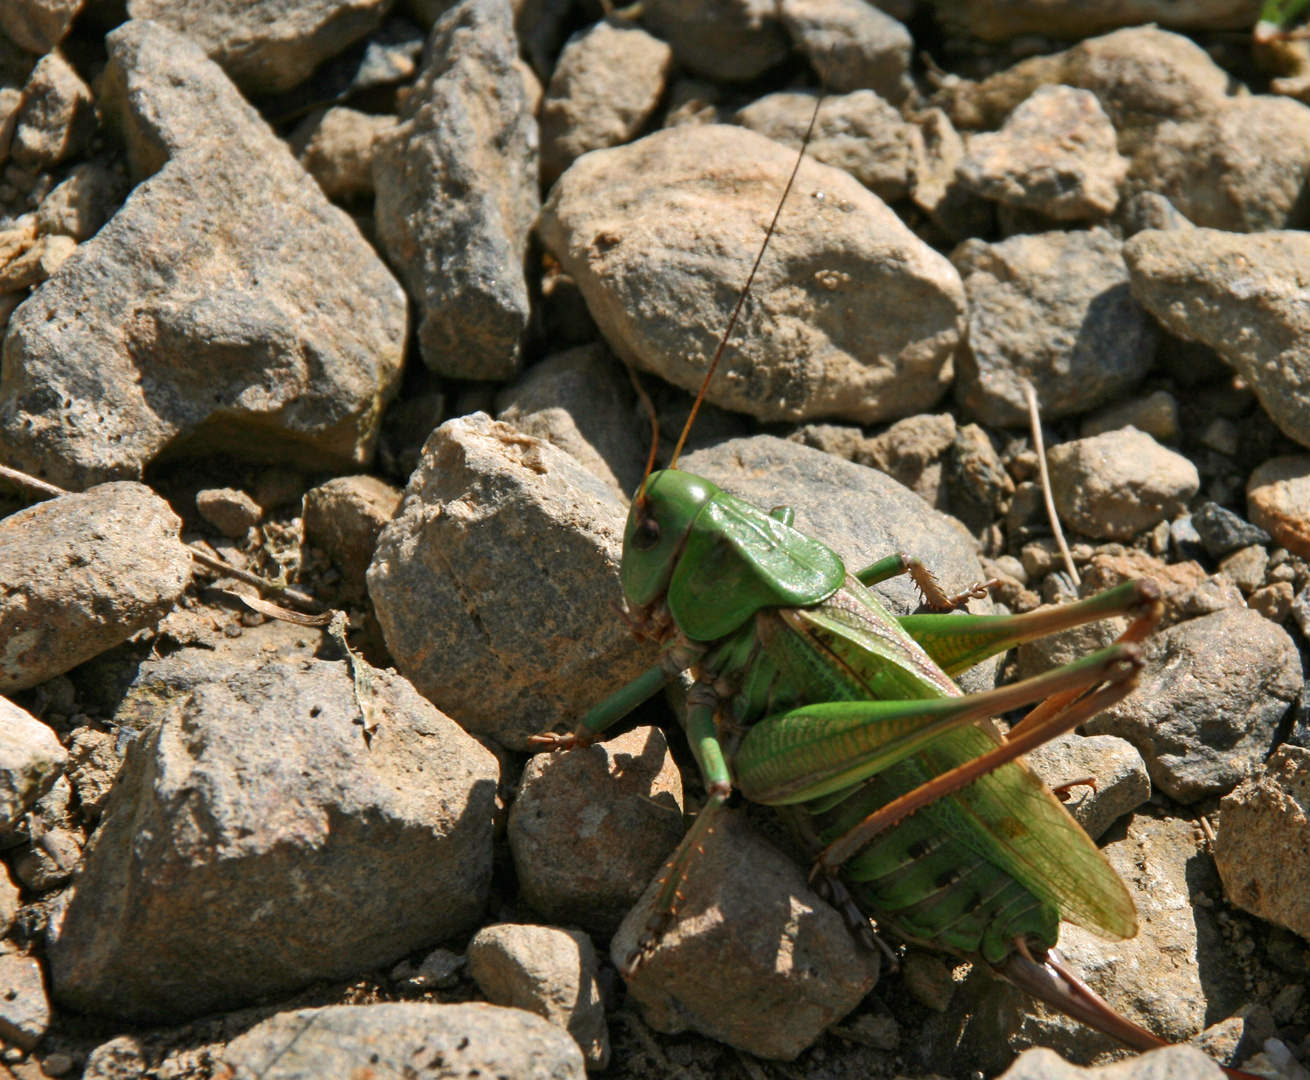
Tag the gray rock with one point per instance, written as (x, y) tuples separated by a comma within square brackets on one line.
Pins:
[(1236, 294), (590, 828), (1114, 486), (24, 1008), (978, 487), (335, 850), (753, 958), (1056, 155), (421, 1039), (83, 202), (855, 45), (31, 760), (493, 583), (661, 234), (936, 149), (1052, 308), (230, 510), (1222, 532), (1000, 20), (1167, 1063), (1149, 210), (122, 1058), (1156, 414), (295, 356), (344, 518), (266, 46), (722, 39), (1212, 695), (1185, 539), (858, 132), (582, 401), (1262, 840), (457, 194), (546, 971), (57, 117), (38, 25), (336, 148), (1117, 769), (606, 84), (83, 573), (1278, 499)]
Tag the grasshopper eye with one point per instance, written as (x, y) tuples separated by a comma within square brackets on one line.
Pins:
[(646, 535)]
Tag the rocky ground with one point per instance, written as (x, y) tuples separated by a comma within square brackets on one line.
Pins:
[(315, 319)]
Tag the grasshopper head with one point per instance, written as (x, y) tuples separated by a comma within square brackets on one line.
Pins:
[(658, 524)]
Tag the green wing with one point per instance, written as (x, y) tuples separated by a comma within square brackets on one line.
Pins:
[(738, 560)]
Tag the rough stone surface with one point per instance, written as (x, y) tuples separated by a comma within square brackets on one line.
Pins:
[(1222, 532), (345, 517), (723, 39), (1234, 1040), (457, 193), (31, 760), (1167, 1063), (590, 828), (606, 84), (856, 45), (1115, 485), (1156, 414), (1262, 846), (57, 116), (858, 132), (38, 25), (493, 583), (660, 234), (122, 1058), (83, 573), (1122, 782), (1278, 500), (546, 971), (257, 784), (24, 1008), (82, 202), (1056, 154), (1211, 697), (1238, 295), (37, 263), (754, 958), (582, 401), (230, 510), (402, 1038), (299, 364), (936, 149), (1052, 308), (336, 148), (266, 46)]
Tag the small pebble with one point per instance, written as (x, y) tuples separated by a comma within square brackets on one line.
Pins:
[(231, 511)]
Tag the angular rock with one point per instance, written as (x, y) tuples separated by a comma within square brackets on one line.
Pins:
[(57, 117), (122, 1058), (590, 828), (1274, 601), (606, 84), (457, 194), (1052, 308), (1056, 155), (734, 40), (1278, 500), (1262, 845), (1222, 532), (83, 202), (1211, 698), (336, 148), (1122, 782), (83, 573), (24, 1008), (1246, 567), (296, 355), (1232, 1041), (582, 401), (1156, 414), (31, 760), (230, 510), (977, 484), (266, 46), (936, 149), (660, 235), (261, 784), (493, 583), (546, 971), (1149, 210), (1167, 1063), (345, 517), (854, 44), (1116, 485), (401, 1038), (38, 25), (858, 132), (93, 761), (50, 862), (753, 957), (1235, 294), (38, 263)]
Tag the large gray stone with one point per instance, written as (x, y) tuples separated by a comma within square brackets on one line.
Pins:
[(259, 838), (493, 583), (457, 193), (119, 356), (83, 573), (850, 316)]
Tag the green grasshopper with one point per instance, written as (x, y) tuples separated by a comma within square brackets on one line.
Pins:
[(810, 696)]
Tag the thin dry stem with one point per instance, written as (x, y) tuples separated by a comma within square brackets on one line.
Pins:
[(1035, 420)]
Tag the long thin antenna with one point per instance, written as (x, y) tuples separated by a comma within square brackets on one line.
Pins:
[(741, 299)]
